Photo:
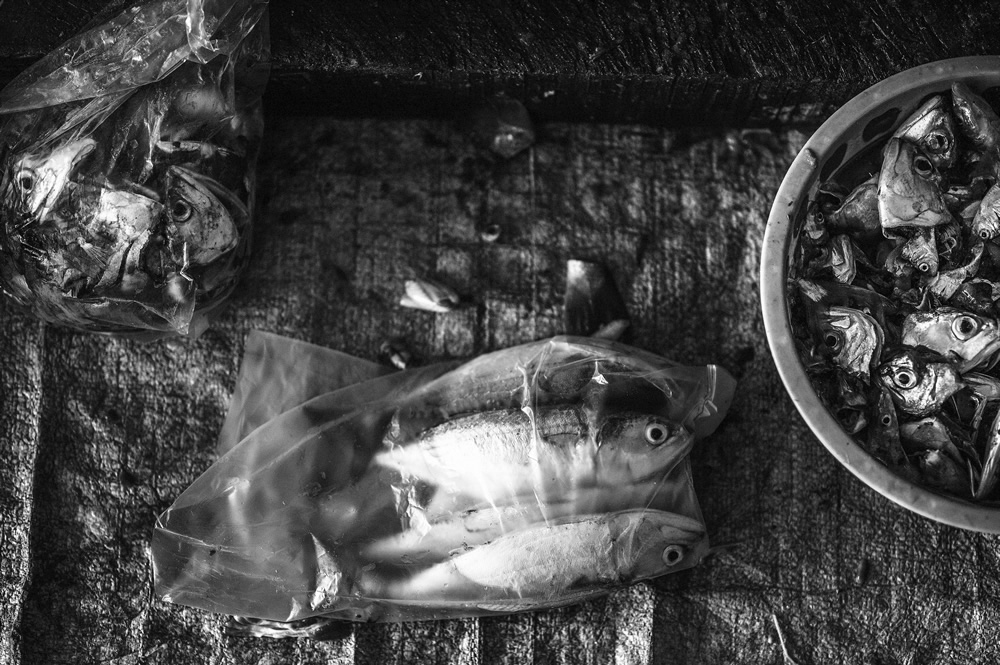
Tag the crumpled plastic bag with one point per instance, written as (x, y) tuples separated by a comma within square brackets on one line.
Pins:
[(527, 478), (127, 162)]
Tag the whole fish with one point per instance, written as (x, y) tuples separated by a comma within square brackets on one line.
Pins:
[(986, 223), (851, 338), (969, 339), (932, 128), (513, 452), (908, 190), (976, 119), (545, 562), (918, 387)]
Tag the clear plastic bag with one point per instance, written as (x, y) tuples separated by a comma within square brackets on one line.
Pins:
[(527, 478), (127, 163)]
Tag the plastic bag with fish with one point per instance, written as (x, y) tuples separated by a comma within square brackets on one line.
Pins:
[(127, 163), (526, 478)]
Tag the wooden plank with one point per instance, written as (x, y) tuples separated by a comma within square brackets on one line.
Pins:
[(660, 63)]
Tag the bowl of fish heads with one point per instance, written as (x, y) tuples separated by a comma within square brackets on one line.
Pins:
[(880, 288)]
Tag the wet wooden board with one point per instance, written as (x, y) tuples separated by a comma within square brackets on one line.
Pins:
[(730, 62), (100, 435)]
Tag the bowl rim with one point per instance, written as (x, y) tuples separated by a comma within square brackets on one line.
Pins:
[(777, 326)]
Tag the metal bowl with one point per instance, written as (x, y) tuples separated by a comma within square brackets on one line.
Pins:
[(857, 129)]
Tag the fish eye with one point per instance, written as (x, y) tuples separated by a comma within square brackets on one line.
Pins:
[(922, 166), (672, 555), (936, 142), (833, 340), (924, 267), (819, 217), (964, 327), (984, 234), (656, 433), (886, 420), (26, 180), (904, 378), (180, 210)]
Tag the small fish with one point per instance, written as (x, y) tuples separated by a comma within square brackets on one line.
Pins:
[(991, 464), (199, 227), (932, 128), (38, 181), (921, 252), (859, 212), (976, 119), (919, 388), (908, 193), (941, 472), (430, 296), (967, 338), (851, 338), (928, 434), (547, 561), (512, 452), (883, 435), (986, 223)]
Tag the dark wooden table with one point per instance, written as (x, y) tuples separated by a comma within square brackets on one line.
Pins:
[(97, 436)]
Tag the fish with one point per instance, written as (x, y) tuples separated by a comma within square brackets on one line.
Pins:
[(430, 296), (968, 339), (991, 462), (884, 436), (929, 434), (544, 451), (199, 227), (918, 388), (814, 231), (859, 212), (851, 338), (932, 128), (921, 251), (976, 119), (986, 223), (547, 561), (939, 471), (908, 191), (39, 179)]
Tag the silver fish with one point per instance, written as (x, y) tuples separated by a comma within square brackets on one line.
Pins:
[(928, 434), (430, 296), (918, 388), (38, 181), (859, 212), (200, 228), (986, 223), (851, 338), (908, 192), (967, 338), (977, 120), (931, 127), (513, 452), (545, 562), (921, 252)]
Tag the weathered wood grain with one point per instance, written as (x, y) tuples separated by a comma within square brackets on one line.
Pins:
[(114, 430), (731, 62)]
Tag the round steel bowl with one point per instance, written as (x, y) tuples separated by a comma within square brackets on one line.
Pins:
[(857, 128)]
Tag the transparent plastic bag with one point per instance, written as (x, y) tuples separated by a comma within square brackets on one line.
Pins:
[(127, 163), (526, 478)]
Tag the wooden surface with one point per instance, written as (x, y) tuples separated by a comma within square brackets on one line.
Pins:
[(730, 62), (97, 436)]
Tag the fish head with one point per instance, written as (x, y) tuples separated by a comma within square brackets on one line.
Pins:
[(932, 128), (200, 228), (918, 387), (851, 338), (634, 446), (986, 221), (909, 192), (37, 179), (921, 252), (654, 542), (975, 117), (967, 337)]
